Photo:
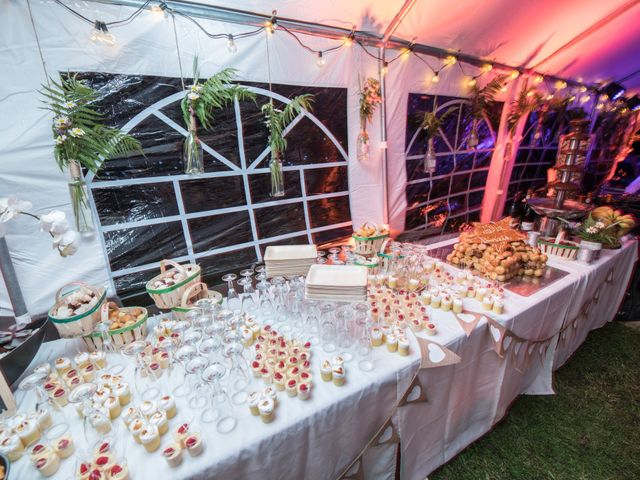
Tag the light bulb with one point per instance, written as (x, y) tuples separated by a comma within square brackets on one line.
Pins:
[(450, 60), (585, 98), (231, 44), (385, 68), (582, 89), (320, 62), (600, 106), (472, 82), (503, 88), (158, 10), (269, 26), (487, 67), (435, 78), (560, 84), (406, 52), (514, 74), (101, 34), (572, 98), (348, 41), (538, 79), (549, 96), (530, 93)]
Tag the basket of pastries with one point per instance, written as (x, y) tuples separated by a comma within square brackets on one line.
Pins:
[(76, 312), (559, 248), (166, 289), (196, 291), (126, 325), (369, 238)]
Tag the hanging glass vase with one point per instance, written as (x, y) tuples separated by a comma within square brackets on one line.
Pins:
[(277, 175), (473, 136), (79, 199), (429, 161), (192, 154), (363, 142)]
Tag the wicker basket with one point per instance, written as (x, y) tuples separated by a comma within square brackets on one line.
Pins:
[(83, 323), (195, 292), (385, 258), (170, 297), (119, 336), (369, 245), (566, 252)]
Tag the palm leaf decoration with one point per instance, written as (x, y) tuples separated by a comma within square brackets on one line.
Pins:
[(277, 119), (77, 127), (431, 122), (482, 98), (527, 102), (203, 99)]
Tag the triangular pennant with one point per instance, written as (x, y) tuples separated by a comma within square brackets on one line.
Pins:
[(414, 394), (497, 333), (354, 472), (609, 278), (435, 355), (468, 321), (387, 434), (596, 295)]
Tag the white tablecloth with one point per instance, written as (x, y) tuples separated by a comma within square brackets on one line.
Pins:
[(317, 439)]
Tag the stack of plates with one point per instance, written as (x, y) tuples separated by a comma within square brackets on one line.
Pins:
[(289, 260), (339, 283)]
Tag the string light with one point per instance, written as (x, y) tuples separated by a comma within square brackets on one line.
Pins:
[(538, 79), (530, 93), (514, 74), (101, 34), (487, 67), (385, 68), (585, 98), (549, 96), (158, 10), (582, 89), (231, 44), (600, 106), (472, 82), (320, 62), (560, 85), (572, 98), (450, 60), (436, 77), (348, 40)]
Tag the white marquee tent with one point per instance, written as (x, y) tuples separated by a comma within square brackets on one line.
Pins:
[(588, 41)]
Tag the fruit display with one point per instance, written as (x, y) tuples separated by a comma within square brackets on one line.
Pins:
[(501, 264), (616, 220)]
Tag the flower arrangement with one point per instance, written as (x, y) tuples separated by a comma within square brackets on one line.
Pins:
[(370, 98), (277, 120), (81, 140), (200, 102), (593, 230), (431, 124), (65, 240)]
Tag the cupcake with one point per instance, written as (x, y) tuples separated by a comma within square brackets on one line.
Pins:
[(113, 406), (266, 408), (148, 407), (43, 419), (392, 342), (11, 447), (28, 432), (63, 365), (498, 306), (82, 359), (253, 400), (150, 438), (48, 465), (136, 426), (304, 391), (64, 446), (130, 414), (193, 443), (292, 387), (416, 324), (487, 302), (181, 433), (123, 393), (173, 454), (159, 419), (457, 305), (168, 405), (279, 380), (338, 375), (403, 345), (325, 371)]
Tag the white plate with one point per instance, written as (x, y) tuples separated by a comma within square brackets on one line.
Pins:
[(337, 276), (290, 252)]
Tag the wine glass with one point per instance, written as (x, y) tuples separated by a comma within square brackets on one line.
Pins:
[(327, 327), (221, 408), (132, 351), (233, 299), (182, 356), (194, 367), (35, 382), (81, 398), (248, 294), (343, 333)]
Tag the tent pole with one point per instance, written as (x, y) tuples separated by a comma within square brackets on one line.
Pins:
[(383, 136)]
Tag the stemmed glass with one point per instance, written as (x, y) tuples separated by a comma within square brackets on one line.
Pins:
[(132, 351), (183, 355), (80, 397), (248, 293), (102, 328), (34, 382), (264, 297), (327, 327), (233, 299), (194, 367), (221, 408)]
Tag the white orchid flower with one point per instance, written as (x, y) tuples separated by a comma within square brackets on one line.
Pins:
[(10, 207), (55, 222), (66, 243)]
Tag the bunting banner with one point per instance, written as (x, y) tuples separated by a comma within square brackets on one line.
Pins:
[(387, 434), (609, 278), (497, 332), (435, 355), (414, 394), (354, 472), (468, 321)]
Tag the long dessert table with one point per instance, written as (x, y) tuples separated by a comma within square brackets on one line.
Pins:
[(318, 438)]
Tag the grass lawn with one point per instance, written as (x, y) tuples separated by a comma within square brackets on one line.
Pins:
[(589, 430)]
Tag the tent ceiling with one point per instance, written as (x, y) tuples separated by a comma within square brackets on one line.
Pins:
[(514, 32)]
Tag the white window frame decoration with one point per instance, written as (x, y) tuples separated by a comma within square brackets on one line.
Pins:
[(247, 167), (451, 151)]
